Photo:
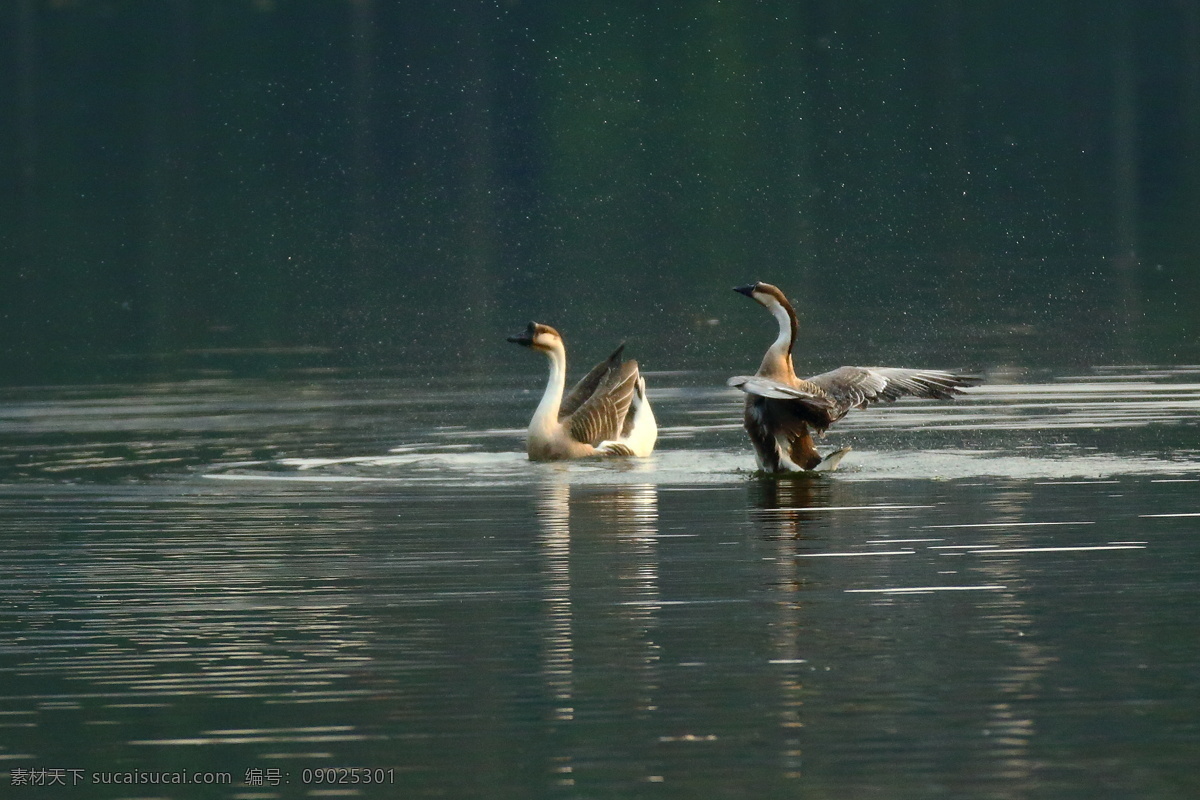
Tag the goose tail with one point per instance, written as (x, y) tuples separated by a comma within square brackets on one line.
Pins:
[(640, 430)]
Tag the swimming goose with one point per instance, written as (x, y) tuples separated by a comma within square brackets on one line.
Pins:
[(781, 408), (606, 414)]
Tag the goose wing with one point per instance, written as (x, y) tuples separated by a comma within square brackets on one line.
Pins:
[(775, 390), (855, 387), (602, 414), (786, 404), (587, 385)]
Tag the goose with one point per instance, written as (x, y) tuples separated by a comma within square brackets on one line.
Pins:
[(781, 409), (606, 414)]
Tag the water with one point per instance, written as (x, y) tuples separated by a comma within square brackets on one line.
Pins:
[(994, 598), (371, 179)]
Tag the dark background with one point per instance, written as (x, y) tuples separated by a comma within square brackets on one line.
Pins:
[(356, 183)]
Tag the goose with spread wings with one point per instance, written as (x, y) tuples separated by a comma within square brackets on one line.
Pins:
[(606, 414), (782, 410)]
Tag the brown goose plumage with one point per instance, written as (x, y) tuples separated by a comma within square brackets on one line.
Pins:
[(782, 410)]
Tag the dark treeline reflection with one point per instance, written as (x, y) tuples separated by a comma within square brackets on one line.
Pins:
[(388, 182)]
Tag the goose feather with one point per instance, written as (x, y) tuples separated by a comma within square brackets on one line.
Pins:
[(602, 415), (588, 384)]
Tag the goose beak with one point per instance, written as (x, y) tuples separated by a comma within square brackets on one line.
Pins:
[(747, 290), (525, 337)]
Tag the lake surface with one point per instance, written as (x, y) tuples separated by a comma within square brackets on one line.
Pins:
[(270, 578)]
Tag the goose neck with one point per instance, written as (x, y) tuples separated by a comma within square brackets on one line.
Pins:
[(546, 415), (778, 359)]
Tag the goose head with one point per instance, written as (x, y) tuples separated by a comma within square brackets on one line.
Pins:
[(764, 294), (538, 337), (772, 299)]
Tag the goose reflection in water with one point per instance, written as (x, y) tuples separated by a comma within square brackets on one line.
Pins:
[(780, 506), (582, 533), (797, 513), (784, 501)]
